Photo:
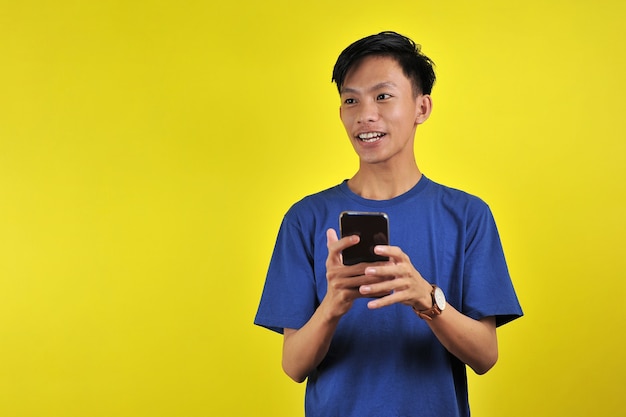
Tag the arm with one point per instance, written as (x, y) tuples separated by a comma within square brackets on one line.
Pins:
[(474, 342), (305, 348)]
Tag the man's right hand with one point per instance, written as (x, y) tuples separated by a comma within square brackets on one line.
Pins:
[(344, 280), (305, 348)]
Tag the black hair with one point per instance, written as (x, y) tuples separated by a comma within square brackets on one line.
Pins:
[(415, 65)]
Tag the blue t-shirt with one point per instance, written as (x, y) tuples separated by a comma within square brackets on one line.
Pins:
[(387, 362)]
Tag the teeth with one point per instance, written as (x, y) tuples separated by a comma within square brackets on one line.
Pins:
[(370, 136)]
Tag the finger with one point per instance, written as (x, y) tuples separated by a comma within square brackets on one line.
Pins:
[(331, 236), (376, 286), (394, 253), (369, 292), (384, 271), (336, 245), (387, 300), (331, 242)]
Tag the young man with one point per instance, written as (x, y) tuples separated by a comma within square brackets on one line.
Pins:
[(378, 339)]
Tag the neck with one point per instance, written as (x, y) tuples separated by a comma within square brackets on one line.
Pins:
[(378, 183)]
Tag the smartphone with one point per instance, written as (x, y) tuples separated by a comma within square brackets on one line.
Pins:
[(371, 227)]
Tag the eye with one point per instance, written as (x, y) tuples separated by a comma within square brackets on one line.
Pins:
[(349, 101), (383, 96)]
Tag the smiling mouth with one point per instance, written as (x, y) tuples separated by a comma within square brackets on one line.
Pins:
[(370, 137)]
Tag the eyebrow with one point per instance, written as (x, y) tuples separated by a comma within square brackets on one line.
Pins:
[(384, 84)]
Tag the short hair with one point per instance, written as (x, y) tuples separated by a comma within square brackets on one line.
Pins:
[(416, 66)]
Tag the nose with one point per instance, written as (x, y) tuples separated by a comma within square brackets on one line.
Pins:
[(368, 112)]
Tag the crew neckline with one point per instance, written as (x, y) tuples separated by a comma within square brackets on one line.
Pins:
[(415, 190)]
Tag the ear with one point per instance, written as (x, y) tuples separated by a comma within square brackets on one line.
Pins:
[(423, 107)]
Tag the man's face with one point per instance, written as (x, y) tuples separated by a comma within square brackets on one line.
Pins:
[(380, 112)]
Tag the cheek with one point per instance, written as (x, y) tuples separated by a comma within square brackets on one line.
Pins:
[(402, 117), (346, 119)]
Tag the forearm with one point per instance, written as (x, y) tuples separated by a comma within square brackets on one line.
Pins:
[(474, 342), (305, 348)]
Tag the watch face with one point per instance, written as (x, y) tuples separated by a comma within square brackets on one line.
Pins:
[(440, 298)]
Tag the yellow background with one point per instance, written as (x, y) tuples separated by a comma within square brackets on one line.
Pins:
[(149, 149)]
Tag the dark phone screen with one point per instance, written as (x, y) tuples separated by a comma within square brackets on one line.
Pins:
[(372, 228)]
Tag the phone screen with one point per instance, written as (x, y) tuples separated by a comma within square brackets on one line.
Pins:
[(372, 229)]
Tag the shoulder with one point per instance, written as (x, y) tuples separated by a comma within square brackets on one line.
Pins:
[(456, 199), (315, 204)]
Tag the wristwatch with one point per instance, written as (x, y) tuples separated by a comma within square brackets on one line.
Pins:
[(439, 304)]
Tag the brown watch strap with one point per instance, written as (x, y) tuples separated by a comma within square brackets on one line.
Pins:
[(429, 313)]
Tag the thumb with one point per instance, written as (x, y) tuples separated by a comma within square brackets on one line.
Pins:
[(334, 255), (331, 237)]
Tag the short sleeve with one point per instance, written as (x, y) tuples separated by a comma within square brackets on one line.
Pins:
[(488, 289), (289, 295)]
